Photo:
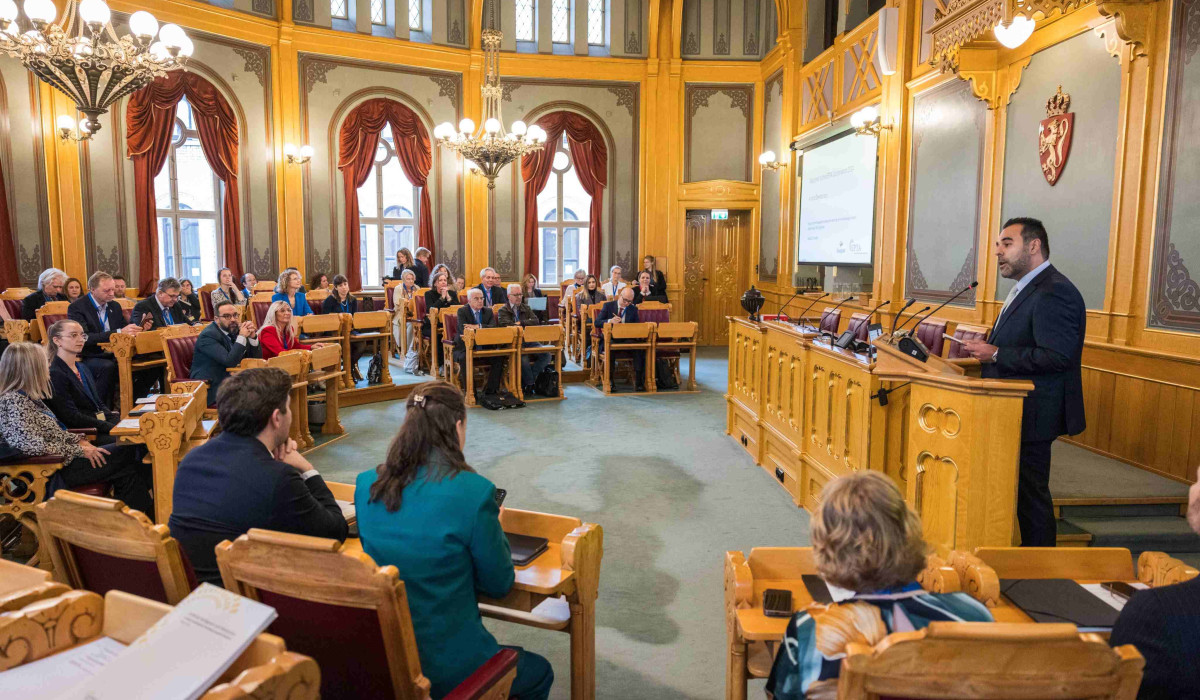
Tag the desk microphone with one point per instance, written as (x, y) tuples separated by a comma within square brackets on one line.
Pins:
[(835, 308), (909, 302), (785, 304), (910, 318), (814, 301), (912, 346), (956, 295)]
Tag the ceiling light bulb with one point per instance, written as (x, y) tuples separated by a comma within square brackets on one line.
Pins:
[(172, 36), (518, 127), (94, 12), (289, 150), (466, 126), (306, 151), (1015, 34), (8, 10), (767, 157), (159, 51), (492, 125), (536, 133), (85, 126), (40, 10), (65, 121), (444, 130), (187, 47), (141, 23)]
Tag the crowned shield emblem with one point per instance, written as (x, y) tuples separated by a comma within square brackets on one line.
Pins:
[(1054, 136)]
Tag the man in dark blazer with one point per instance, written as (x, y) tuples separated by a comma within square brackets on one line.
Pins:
[(249, 476), (1164, 624), (622, 310), (221, 346), (1038, 336), (517, 313), (50, 288), (476, 314), (159, 307), (490, 286), (101, 316), (421, 266)]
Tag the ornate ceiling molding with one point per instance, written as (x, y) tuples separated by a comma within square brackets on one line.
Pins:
[(993, 85)]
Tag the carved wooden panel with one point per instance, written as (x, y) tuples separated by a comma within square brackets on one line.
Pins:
[(695, 272)]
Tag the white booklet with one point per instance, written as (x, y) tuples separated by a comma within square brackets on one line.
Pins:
[(53, 675), (184, 653)]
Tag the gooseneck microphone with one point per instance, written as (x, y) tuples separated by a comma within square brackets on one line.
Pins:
[(835, 308), (913, 347), (872, 314), (814, 301), (909, 302), (785, 305), (910, 318), (956, 295)]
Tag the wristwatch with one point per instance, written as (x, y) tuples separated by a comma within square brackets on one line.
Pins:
[(995, 354)]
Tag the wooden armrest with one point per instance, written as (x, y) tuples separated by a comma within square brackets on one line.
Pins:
[(36, 459), (492, 679), (342, 492)]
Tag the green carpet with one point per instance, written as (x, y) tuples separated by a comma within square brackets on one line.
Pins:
[(672, 491)]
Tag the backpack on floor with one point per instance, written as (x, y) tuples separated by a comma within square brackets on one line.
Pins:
[(489, 401), (375, 370), (664, 375), (546, 383), (508, 400)]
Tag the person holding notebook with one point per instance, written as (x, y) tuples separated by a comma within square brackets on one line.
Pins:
[(429, 514), (868, 548)]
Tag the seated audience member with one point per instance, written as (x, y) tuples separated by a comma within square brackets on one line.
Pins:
[(490, 286), (429, 514), (439, 296), (98, 313), (189, 302), (248, 282), (226, 290), (302, 290), (589, 295), (158, 309), (517, 313), (119, 281), (421, 266), (1164, 624), (645, 290), (622, 310), (477, 315), (4, 316), (404, 261), (868, 547), (222, 346), (460, 284), (75, 399), (340, 301), (50, 288), (249, 476), (280, 331), (614, 283), (28, 426), (401, 295), (320, 281), (572, 289), (441, 267), (73, 289), (658, 281), (530, 290), (291, 290)]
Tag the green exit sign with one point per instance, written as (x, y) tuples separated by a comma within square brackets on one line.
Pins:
[(720, 214)]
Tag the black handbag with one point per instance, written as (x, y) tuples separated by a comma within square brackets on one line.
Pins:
[(375, 369), (546, 383)]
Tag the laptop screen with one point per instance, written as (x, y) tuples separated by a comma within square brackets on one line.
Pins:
[(537, 303)]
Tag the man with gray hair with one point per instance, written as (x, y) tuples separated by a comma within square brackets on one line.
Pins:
[(159, 310), (50, 288), (517, 313), (489, 284), (477, 314)]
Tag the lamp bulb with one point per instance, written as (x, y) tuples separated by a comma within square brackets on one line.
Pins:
[(94, 12), (518, 127), (444, 130), (187, 47), (142, 24), (466, 126), (66, 122), (306, 151), (40, 10), (289, 149), (172, 36), (492, 125), (8, 10), (159, 51), (767, 157), (1015, 34)]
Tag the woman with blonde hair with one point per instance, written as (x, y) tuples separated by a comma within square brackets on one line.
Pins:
[(868, 547), (280, 331), (404, 293), (290, 288), (28, 426)]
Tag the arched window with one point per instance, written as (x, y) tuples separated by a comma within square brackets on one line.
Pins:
[(387, 213), (560, 205), (188, 198)]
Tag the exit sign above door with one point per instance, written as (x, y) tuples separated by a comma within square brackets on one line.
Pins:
[(720, 214)]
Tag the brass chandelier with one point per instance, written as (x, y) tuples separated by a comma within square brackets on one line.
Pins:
[(490, 148), (81, 55)]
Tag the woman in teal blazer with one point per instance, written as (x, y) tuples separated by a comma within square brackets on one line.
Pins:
[(426, 512)]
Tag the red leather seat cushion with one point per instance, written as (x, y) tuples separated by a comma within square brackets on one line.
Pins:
[(101, 573), (830, 321), (930, 335), (419, 304), (51, 319), (13, 307), (182, 351), (206, 306), (654, 316), (100, 489), (956, 349), (450, 321), (259, 309)]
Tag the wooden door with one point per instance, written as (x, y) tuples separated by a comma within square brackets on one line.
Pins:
[(714, 272)]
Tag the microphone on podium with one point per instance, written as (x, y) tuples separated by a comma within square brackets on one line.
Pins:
[(835, 308), (784, 305), (913, 347), (814, 301), (908, 302)]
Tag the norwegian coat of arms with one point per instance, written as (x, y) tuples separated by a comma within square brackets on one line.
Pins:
[(1054, 135)]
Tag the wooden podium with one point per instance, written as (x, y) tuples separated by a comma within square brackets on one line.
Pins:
[(809, 412)]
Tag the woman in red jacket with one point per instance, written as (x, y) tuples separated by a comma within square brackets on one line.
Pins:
[(279, 332)]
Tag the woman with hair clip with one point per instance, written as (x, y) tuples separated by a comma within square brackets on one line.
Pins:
[(429, 514)]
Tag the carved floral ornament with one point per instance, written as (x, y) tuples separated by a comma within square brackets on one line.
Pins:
[(959, 22)]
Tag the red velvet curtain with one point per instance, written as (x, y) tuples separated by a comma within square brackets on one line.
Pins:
[(9, 276), (590, 156), (357, 141), (150, 122)]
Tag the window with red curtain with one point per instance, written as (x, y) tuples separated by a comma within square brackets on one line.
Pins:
[(9, 276), (360, 156), (157, 128), (569, 173)]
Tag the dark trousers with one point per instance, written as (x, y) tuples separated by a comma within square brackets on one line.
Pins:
[(495, 370), (131, 480), (534, 677), (639, 362), (104, 369), (1035, 509)]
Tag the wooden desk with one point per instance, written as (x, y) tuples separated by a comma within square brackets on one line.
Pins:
[(547, 339), (135, 353), (370, 327), (324, 365)]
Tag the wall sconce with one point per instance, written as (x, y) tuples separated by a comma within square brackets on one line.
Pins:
[(1015, 33), (768, 162), (68, 130), (866, 122), (297, 156)]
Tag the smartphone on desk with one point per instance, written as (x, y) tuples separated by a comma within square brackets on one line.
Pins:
[(500, 495), (1119, 589), (777, 602)]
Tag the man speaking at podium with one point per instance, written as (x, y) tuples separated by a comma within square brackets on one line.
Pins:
[(1038, 336)]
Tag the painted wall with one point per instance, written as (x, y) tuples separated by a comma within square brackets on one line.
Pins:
[(773, 140), (727, 30), (1077, 211), (718, 131), (23, 160)]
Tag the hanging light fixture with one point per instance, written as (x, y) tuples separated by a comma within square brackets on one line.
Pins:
[(1014, 33), (490, 148), (81, 55)]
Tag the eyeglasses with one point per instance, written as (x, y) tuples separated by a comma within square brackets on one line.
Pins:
[(228, 317), (74, 336)]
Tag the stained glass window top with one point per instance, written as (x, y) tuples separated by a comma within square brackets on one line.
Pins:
[(560, 21), (525, 20), (596, 22), (337, 8), (414, 15), (377, 12)]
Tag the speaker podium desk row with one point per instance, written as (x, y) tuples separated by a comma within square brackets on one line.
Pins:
[(809, 412)]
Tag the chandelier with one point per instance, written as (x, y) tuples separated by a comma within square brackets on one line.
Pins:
[(490, 148), (83, 57)]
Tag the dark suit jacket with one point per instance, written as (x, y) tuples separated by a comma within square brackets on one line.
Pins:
[(658, 285), (231, 484), (654, 295), (332, 306), (83, 312), (609, 310), (149, 305), (1040, 337), (1164, 624), (466, 317), (422, 272), (72, 402), (499, 295), (35, 301), (215, 353), (524, 314)]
